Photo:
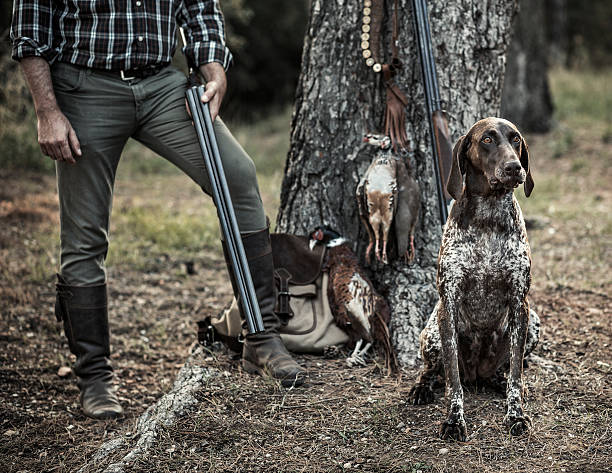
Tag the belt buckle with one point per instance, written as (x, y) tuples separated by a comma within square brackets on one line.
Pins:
[(123, 77)]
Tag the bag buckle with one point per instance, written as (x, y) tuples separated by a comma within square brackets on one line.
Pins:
[(283, 309)]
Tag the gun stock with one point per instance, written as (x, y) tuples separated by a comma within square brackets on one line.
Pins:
[(444, 146), (438, 124)]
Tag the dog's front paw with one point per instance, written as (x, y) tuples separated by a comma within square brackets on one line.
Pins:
[(517, 424), (453, 428), (420, 394)]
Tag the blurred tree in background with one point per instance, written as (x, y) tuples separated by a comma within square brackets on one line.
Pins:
[(526, 98), (266, 38), (553, 33), (589, 29)]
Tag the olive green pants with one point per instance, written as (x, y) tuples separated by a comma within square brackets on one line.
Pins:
[(105, 111)]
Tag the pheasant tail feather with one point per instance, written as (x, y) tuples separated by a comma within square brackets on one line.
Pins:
[(391, 363)]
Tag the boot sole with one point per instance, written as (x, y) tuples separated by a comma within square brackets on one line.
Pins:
[(285, 382), (104, 415)]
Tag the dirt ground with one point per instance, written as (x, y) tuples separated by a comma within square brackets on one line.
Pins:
[(346, 419)]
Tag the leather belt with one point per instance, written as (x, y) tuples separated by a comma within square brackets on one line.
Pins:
[(136, 73)]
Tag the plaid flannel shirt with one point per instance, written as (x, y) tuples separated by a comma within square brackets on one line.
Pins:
[(118, 35)]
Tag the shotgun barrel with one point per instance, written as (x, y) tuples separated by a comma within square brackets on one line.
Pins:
[(438, 123), (203, 124)]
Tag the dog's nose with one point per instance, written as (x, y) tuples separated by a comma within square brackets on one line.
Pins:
[(512, 168)]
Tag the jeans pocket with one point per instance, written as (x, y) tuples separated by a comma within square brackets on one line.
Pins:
[(67, 78)]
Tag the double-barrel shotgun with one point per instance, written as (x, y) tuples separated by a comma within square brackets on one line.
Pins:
[(200, 114), (438, 122)]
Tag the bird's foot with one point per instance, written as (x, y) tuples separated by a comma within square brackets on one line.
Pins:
[(409, 256), (357, 358), (368, 255)]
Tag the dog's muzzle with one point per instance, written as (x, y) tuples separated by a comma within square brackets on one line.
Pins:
[(508, 175)]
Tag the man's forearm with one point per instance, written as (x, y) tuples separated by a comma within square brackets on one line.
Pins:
[(38, 76), (56, 136), (212, 71)]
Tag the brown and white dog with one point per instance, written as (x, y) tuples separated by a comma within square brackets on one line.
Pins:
[(481, 324)]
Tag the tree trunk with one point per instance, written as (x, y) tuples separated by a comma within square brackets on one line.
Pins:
[(526, 99), (339, 99), (556, 32)]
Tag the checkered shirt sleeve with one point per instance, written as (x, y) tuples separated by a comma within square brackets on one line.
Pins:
[(31, 29), (205, 30)]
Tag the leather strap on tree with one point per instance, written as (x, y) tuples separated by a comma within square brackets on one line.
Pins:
[(377, 14), (396, 101), (395, 113)]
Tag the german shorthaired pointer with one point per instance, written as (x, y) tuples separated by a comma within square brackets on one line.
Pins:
[(481, 326)]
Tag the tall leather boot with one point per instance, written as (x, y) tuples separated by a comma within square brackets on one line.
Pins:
[(265, 352), (85, 316)]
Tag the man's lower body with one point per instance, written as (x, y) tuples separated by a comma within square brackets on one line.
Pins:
[(105, 111)]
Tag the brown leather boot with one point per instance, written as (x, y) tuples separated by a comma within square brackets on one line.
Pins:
[(265, 352), (85, 316)]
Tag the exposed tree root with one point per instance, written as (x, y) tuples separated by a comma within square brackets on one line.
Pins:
[(165, 412)]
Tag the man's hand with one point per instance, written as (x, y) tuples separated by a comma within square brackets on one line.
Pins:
[(216, 85), (56, 136)]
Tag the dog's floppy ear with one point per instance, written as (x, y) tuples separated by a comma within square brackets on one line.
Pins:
[(528, 186), (454, 185)]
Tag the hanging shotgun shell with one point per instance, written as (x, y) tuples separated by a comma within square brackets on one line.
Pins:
[(365, 37), (377, 67)]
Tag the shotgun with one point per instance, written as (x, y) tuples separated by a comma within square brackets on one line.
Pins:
[(438, 122), (202, 121), (200, 114)]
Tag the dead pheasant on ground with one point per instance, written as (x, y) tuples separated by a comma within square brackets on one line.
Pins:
[(357, 307)]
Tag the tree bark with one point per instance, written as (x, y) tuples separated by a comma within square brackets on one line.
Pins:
[(339, 99), (526, 99)]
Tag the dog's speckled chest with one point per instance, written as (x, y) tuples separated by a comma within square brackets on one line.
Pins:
[(485, 264)]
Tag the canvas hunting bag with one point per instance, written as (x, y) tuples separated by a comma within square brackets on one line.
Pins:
[(307, 324)]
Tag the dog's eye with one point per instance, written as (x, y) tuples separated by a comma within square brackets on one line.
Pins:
[(516, 138), (487, 140)]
